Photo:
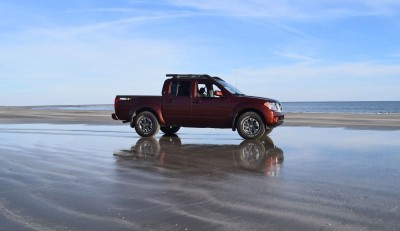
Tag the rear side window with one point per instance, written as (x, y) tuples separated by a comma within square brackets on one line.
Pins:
[(180, 88)]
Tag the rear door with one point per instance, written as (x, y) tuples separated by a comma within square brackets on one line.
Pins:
[(177, 102)]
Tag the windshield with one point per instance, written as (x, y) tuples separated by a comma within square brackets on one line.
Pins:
[(230, 88)]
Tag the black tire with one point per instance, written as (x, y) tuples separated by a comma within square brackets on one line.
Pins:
[(250, 126), (146, 124), (170, 130)]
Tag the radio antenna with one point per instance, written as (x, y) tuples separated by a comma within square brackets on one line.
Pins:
[(236, 76)]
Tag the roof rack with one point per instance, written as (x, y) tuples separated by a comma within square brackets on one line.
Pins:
[(192, 76), (187, 75)]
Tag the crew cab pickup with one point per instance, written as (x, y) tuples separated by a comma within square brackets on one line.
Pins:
[(202, 101)]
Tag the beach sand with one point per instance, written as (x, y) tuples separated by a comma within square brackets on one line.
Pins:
[(80, 170), (37, 115), (360, 121)]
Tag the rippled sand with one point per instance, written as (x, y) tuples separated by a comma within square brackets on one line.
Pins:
[(78, 177)]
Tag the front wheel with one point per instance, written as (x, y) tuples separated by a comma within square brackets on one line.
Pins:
[(170, 130), (250, 126), (146, 124)]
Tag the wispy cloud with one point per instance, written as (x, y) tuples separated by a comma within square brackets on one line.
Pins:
[(110, 24), (125, 46), (301, 58), (47, 72), (358, 70), (308, 82), (396, 55), (293, 10)]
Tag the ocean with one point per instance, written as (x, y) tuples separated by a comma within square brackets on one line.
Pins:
[(349, 107)]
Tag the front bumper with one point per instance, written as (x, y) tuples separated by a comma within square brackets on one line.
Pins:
[(276, 120)]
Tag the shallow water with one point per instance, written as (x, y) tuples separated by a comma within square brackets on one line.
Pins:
[(77, 177)]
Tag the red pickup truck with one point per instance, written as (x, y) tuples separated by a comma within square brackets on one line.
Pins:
[(191, 100)]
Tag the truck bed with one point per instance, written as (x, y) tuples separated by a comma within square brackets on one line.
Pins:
[(126, 104)]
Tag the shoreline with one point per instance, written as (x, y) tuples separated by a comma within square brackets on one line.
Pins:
[(29, 115)]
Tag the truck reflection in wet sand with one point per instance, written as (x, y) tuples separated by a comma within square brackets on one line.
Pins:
[(254, 155)]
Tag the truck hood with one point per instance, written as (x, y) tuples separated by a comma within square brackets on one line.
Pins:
[(259, 98)]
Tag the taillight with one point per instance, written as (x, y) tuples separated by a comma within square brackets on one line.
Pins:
[(116, 101)]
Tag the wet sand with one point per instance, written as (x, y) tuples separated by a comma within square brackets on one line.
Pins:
[(67, 175), (19, 115)]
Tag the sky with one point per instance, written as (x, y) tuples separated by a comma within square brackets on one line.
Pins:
[(88, 51)]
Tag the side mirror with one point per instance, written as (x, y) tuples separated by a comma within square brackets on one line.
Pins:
[(218, 93)]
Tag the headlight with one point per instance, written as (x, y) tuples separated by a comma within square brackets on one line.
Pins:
[(274, 106)]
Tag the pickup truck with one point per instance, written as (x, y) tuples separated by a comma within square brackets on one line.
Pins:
[(202, 101)]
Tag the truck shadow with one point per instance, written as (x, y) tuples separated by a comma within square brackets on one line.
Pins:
[(252, 155)]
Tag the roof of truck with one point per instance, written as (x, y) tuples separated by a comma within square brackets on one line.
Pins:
[(176, 76)]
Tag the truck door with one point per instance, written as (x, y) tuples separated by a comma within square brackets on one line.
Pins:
[(177, 102), (210, 106)]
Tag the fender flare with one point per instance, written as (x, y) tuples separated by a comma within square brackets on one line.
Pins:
[(135, 111), (243, 108)]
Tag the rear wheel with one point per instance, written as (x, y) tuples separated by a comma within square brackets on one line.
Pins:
[(170, 130), (146, 124), (250, 126)]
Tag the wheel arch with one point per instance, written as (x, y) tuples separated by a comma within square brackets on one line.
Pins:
[(133, 113), (241, 112)]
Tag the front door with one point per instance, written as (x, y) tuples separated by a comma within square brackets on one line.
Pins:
[(210, 106)]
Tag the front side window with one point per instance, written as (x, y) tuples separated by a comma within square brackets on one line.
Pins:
[(207, 90)]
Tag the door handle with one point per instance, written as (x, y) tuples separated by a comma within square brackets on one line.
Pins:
[(197, 101), (169, 101)]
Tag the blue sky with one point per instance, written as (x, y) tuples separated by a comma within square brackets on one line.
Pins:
[(87, 51)]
